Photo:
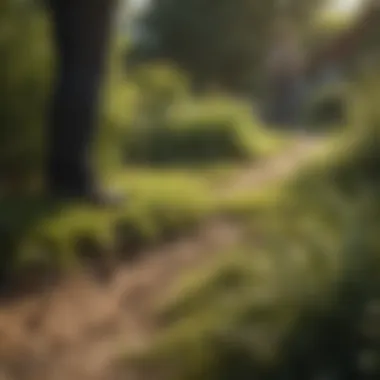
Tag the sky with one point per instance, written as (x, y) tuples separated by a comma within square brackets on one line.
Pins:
[(341, 5)]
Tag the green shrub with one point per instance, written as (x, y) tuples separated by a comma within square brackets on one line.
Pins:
[(260, 313), (24, 78), (246, 316), (328, 107), (198, 133), (349, 165), (294, 293), (37, 232)]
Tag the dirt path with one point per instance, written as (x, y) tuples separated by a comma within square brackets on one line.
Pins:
[(76, 331)]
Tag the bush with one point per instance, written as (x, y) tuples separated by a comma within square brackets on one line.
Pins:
[(150, 118), (291, 300), (329, 107), (262, 313), (197, 133), (39, 233), (24, 78)]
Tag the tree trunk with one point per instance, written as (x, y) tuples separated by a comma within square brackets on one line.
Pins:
[(81, 30)]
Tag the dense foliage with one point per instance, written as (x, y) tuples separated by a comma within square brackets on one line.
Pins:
[(217, 42), (24, 77), (291, 299), (147, 117), (295, 299)]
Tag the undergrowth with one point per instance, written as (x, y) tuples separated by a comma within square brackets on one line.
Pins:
[(291, 299)]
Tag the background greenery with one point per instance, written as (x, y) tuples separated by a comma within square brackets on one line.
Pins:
[(257, 310)]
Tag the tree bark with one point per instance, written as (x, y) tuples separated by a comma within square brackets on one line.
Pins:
[(81, 31)]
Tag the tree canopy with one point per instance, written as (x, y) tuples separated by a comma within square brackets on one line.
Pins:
[(221, 40)]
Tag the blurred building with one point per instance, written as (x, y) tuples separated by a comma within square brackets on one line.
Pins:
[(284, 76), (355, 47)]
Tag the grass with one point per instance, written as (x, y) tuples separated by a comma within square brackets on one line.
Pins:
[(162, 204), (289, 293), (197, 132), (163, 201)]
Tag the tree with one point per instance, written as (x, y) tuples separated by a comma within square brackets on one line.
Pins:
[(81, 30), (216, 41)]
